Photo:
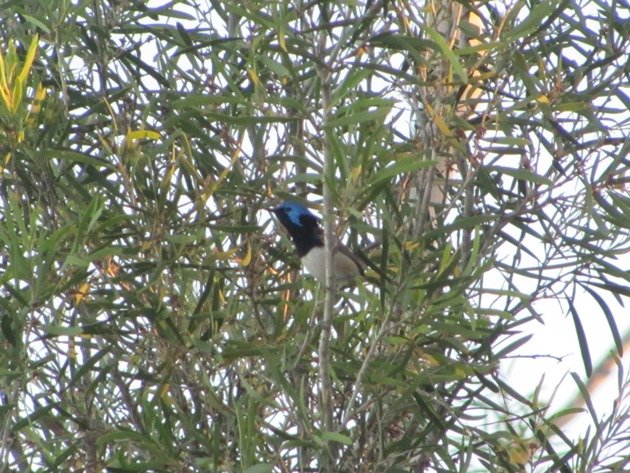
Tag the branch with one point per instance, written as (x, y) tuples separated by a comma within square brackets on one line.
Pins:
[(329, 303)]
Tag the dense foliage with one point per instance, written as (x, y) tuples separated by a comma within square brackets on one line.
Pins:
[(152, 318)]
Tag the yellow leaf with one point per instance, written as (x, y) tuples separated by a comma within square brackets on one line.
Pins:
[(168, 176), (80, 294), (224, 255), (163, 393), (361, 51), (40, 94), (18, 91), (542, 99), (254, 77), (142, 135), (411, 245), (6, 96), (28, 61), (519, 451), (460, 373), (405, 21), (212, 186), (484, 76), (248, 256), (281, 39), (5, 93), (111, 267), (439, 122), (355, 173), (7, 160), (518, 456), (431, 360)]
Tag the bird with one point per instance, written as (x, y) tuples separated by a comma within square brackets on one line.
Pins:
[(308, 238)]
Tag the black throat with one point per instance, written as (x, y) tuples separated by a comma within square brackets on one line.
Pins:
[(305, 236)]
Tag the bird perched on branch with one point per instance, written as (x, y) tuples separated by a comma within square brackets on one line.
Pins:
[(308, 237)]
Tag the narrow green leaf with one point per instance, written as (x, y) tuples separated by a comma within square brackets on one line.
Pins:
[(572, 107), (274, 66), (401, 166), (76, 157), (512, 140), (35, 416), (521, 66), (586, 396), (245, 120), (448, 52), (533, 20), (337, 437), (570, 411), (11, 329), (57, 330), (609, 318), (513, 346), (89, 365), (615, 289), (459, 224), (123, 435), (350, 84), (413, 45), (521, 174), (579, 330), (622, 203), (260, 468), (251, 12), (196, 100), (34, 21), (359, 117)]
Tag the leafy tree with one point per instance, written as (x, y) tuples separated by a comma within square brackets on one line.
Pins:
[(152, 320)]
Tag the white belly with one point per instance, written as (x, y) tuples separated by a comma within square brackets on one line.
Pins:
[(314, 262), (345, 269)]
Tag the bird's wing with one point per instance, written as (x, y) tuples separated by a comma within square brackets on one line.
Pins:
[(343, 249)]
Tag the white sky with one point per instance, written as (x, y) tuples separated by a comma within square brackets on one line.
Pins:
[(557, 338)]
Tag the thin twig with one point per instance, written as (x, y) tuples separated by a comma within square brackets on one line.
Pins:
[(349, 411)]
